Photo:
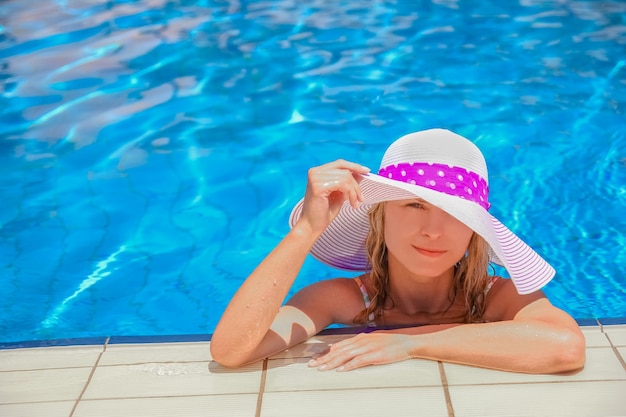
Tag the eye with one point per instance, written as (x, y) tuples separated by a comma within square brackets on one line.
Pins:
[(416, 205)]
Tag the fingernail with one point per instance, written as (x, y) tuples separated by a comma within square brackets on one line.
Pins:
[(341, 368), (322, 368), (312, 362)]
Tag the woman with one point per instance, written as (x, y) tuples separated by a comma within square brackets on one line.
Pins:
[(422, 233)]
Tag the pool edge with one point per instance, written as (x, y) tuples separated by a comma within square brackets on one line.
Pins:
[(190, 338)]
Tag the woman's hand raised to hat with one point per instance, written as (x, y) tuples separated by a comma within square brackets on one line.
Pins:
[(329, 186)]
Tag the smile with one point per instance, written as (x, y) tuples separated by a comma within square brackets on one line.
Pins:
[(430, 253)]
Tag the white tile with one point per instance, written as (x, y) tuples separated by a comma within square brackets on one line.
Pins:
[(240, 405), (120, 354), (47, 409), (42, 385), (601, 364), (295, 375), (172, 379), (587, 399), (49, 358), (622, 353), (617, 334), (610, 327), (594, 337), (396, 402)]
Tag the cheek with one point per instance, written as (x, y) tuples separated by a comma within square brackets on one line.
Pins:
[(390, 233), (463, 235), (396, 231), (397, 219)]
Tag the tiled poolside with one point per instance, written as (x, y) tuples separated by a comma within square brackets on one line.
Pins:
[(117, 378)]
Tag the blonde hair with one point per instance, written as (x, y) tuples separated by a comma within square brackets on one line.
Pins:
[(471, 276)]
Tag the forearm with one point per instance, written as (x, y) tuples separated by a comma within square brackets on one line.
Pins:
[(519, 346), (250, 313)]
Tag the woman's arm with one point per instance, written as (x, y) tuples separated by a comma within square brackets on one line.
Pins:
[(253, 308), (243, 332), (540, 338)]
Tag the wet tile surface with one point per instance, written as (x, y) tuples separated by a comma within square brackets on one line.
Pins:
[(616, 334), (42, 385), (243, 405), (296, 375), (596, 398), (159, 379), (49, 358), (47, 409), (166, 352), (397, 402), (165, 379)]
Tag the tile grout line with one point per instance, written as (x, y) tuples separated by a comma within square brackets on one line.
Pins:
[(259, 401), (446, 392), (93, 371), (615, 351)]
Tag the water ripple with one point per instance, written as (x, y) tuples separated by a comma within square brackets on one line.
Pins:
[(182, 131)]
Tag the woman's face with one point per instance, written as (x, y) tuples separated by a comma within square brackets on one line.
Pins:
[(426, 240)]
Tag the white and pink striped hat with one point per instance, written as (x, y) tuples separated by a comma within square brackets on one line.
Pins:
[(448, 171)]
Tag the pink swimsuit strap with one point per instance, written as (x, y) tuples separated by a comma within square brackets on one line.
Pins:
[(366, 300)]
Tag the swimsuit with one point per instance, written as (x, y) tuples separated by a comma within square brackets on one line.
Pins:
[(366, 298)]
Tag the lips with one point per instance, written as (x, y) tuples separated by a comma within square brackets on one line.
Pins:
[(432, 253)]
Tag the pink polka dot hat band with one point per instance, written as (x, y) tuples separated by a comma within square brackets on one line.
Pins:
[(448, 171), (443, 178)]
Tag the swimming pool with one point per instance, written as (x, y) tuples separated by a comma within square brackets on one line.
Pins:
[(152, 150)]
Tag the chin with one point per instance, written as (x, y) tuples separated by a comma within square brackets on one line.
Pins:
[(433, 273)]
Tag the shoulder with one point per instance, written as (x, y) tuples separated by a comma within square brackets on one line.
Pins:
[(343, 285), (504, 302), (341, 298)]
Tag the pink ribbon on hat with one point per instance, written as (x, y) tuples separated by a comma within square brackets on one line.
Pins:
[(455, 181)]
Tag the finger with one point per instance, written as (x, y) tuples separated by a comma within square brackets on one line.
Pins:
[(348, 343), (337, 361), (354, 197), (338, 355), (349, 190), (366, 359), (354, 359), (357, 175), (358, 193), (325, 182), (352, 166), (332, 175), (326, 361)]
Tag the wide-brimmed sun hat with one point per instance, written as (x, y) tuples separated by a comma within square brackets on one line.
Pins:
[(448, 171)]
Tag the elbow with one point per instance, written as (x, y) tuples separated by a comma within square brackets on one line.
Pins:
[(225, 356), (571, 355)]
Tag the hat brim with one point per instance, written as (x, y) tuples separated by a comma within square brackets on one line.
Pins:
[(342, 245)]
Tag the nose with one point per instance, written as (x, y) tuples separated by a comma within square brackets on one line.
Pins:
[(435, 222)]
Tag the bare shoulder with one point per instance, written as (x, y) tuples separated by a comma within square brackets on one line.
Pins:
[(340, 298), (504, 302)]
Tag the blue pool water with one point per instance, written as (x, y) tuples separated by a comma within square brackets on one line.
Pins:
[(151, 150)]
